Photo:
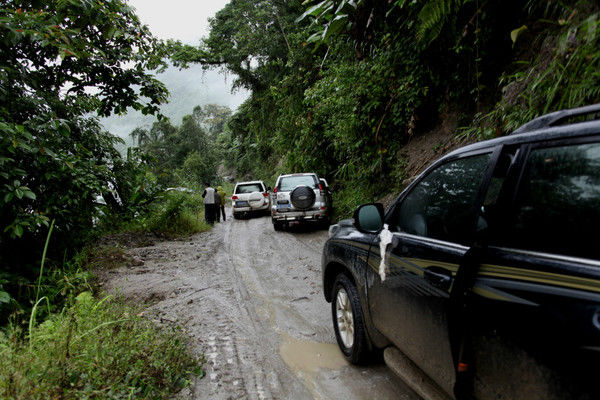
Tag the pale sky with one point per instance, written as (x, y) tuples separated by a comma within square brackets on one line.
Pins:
[(185, 20)]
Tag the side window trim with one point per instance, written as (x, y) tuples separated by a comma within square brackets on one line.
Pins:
[(485, 183), (508, 187)]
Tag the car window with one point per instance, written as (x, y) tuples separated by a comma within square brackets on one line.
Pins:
[(288, 183), (248, 188), (557, 207), (441, 205)]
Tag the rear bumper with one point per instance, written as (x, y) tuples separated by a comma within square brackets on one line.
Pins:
[(312, 215), (249, 209)]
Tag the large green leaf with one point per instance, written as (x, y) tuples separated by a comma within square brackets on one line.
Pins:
[(317, 9), (335, 26), (4, 297)]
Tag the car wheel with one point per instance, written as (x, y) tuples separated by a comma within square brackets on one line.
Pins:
[(236, 216), (348, 321), (278, 226), (302, 197)]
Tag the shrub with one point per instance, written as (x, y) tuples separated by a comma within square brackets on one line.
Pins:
[(176, 214), (95, 349)]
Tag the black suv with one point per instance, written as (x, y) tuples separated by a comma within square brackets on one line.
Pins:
[(484, 274)]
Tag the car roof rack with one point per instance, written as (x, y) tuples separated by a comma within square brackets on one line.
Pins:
[(554, 118)]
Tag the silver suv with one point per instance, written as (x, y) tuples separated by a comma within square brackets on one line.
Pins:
[(300, 197), (250, 197)]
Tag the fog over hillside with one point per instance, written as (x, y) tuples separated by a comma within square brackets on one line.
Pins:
[(188, 88)]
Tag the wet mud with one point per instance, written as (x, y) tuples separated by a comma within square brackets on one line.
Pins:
[(251, 301)]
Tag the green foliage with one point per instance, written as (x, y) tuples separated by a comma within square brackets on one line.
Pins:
[(564, 75), (61, 63), (195, 169), (133, 186), (433, 16), (339, 86), (179, 214), (347, 198), (95, 349), (185, 154), (250, 39), (333, 17), (173, 214), (383, 93)]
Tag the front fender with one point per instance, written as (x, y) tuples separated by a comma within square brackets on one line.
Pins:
[(350, 258)]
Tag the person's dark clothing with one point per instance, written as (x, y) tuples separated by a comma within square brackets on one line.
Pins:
[(209, 204), (218, 203), (222, 209)]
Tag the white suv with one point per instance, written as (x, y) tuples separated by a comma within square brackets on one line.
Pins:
[(300, 197), (250, 197)]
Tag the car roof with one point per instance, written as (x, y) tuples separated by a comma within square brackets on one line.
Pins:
[(249, 183), (580, 129), (298, 174)]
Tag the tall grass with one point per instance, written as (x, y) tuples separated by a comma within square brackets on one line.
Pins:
[(566, 78), (92, 348), (95, 349), (175, 214)]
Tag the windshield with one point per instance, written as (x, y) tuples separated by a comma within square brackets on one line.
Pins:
[(290, 182), (248, 188)]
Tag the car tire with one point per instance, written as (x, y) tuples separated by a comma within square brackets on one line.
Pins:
[(348, 321), (302, 197), (278, 226), (236, 216)]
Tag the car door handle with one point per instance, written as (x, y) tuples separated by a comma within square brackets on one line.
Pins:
[(439, 277)]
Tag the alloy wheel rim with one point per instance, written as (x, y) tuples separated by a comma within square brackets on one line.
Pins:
[(345, 318)]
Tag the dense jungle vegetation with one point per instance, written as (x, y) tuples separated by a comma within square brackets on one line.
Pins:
[(338, 87)]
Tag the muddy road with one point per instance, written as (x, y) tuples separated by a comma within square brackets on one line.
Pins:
[(250, 299)]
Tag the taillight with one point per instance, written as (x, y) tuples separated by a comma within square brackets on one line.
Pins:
[(266, 194), (234, 197), (321, 186), (275, 189)]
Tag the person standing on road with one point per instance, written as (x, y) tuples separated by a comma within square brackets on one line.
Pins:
[(218, 202), (209, 203), (222, 206)]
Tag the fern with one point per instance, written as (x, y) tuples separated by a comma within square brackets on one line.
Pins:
[(433, 17), (571, 79)]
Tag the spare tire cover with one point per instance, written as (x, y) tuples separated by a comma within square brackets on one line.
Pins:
[(256, 199), (302, 197)]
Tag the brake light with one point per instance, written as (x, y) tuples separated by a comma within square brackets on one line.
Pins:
[(234, 197), (266, 194), (321, 186), (275, 189)]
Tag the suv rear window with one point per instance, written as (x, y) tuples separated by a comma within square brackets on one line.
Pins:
[(558, 206), (249, 188), (288, 183)]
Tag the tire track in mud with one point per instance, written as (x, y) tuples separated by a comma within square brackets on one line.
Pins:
[(250, 300)]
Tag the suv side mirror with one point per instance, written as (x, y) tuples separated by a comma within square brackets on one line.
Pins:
[(368, 218)]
